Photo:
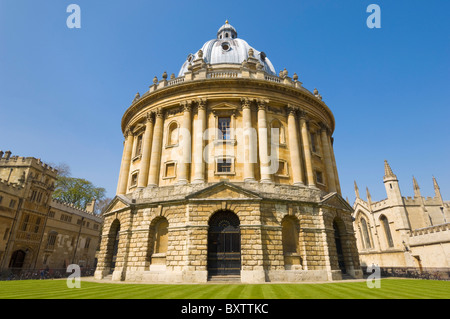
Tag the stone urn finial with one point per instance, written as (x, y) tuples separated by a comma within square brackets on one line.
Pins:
[(155, 80), (250, 52), (295, 77), (200, 54), (164, 76)]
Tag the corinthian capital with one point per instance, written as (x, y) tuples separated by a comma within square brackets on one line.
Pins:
[(127, 132), (324, 128), (186, 105), (201, 104), (262, 104), (149, 117), (159, 112), (302, 114), (292, 109), (246, 102)]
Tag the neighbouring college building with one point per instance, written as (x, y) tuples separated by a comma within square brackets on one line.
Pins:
[(228, 171), (37, 232), (404, 234)]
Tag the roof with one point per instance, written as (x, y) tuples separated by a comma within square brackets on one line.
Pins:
[(227, 49)]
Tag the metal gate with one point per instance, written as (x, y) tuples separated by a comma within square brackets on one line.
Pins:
[(224, 244)]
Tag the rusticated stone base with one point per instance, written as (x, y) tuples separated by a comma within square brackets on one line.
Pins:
[(286, 233)]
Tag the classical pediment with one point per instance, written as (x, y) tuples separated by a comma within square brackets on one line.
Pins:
[(335, 200), (224, 191), (118, 203)]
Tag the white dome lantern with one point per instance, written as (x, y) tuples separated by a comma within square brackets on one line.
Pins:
[(227, 48)]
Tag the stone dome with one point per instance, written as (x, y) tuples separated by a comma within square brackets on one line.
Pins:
[(227, 48)]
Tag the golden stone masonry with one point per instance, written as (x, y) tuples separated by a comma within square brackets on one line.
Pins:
[(228, 171)]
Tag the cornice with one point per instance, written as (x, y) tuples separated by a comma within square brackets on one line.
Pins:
[(238, 84)]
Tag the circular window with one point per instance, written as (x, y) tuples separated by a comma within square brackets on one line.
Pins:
[(225, 46)]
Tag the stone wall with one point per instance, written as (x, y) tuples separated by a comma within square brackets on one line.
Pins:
[(262, 256)]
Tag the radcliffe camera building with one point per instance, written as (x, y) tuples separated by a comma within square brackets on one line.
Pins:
[(228, 169)]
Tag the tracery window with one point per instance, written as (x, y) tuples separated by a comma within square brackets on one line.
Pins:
[(365, 236), (387, 230)]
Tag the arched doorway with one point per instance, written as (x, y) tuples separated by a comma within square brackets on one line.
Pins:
[(113, 244), (339, 250), (224, 244), (17, 259)]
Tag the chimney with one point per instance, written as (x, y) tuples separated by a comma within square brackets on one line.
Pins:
[(90, 206), (7, 155)]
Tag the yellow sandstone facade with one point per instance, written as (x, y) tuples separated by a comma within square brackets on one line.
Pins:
[(37, 232), (228, 170), (403, 234)]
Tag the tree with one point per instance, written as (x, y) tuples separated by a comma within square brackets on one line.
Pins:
[(76, 191)]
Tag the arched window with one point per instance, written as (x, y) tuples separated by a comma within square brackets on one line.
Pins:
[(277, 133), (338, 227), (289, 237), (367, 243), (289, 233), (51, 240), (160, 236), (387, 230), (172, 134), (112, 245)]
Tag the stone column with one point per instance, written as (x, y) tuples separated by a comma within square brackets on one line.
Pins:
[(306, 150), (333, 160), (249, 142), (125, 165), (199, 166), (146, 150), (155, 159), (327, 158), (186, 141), (294, 147), (263, 143)]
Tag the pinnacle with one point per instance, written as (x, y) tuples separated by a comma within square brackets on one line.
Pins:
[(387, 170)]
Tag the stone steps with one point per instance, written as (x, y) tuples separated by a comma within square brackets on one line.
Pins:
[(226, 278)]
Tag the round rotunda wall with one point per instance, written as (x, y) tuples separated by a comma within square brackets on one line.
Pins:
[(228, 142)]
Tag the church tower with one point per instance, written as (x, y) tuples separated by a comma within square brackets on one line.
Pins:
[(391, 184)]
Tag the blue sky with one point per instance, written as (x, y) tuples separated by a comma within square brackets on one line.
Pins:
[(63, 91)]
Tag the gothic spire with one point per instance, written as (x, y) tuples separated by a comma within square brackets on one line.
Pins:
[(356, 190), (369, 198), (416, 188), (388, 174), (437, 191)]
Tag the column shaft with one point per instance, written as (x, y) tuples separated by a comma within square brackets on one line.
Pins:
[(125, 165), (294, 149), (263, 144), (307, 151), (328, 163), (155, 160), (146, 151), (200, 127), (184, 166), (333, 160), (249, 143)]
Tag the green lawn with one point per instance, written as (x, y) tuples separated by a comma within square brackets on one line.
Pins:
[(390, 289)]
